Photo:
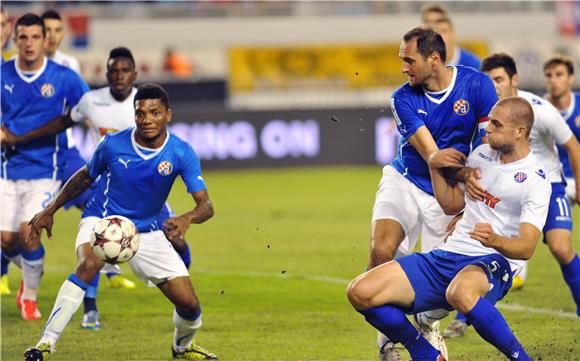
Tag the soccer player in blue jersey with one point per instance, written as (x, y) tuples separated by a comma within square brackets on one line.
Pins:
[(559, 74), (137, 168), (440, 107), (473, 269), (34, 90)]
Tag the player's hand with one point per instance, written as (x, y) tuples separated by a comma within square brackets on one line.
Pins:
[(447, 158), (483, 233), (7, 138), (175, 228), (474, 190), (42, 220)]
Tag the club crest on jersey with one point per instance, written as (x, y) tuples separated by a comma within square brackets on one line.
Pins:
[(520, 177), (47, 90), (165, 168), (461, 107)]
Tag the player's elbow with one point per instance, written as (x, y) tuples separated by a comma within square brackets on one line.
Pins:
[(209, 209)]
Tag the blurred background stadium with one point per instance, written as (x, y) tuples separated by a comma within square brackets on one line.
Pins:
[(286, 84), (255, 83)]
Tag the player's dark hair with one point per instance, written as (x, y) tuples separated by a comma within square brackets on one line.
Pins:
[(50, 14), (428, 42), (521, 112), (120, 52), (499, 60), (443, 19), (560, 59), (152, 91), (30, 19)]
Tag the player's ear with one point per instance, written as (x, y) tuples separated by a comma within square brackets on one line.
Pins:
[(169, 115), (515, 80)]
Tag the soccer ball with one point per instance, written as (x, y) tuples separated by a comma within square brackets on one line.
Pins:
[(115, 239)]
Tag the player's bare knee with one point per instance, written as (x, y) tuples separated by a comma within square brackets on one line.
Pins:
[(461, 297), (562, 250), (88, 268), (358, 294), (10, 242)]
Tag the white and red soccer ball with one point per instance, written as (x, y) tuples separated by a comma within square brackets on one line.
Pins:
[(115, 239)]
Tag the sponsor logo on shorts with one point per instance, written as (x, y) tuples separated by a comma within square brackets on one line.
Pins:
[(520, 177), (461, 107), (165, 168)]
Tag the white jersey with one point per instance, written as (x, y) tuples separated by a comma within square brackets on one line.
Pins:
[(549, 129), (103, 114), (66, 60), (516, 192)]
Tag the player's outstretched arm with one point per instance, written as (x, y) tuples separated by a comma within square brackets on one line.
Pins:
[(449, 196), (573, 148), (176, 227), (76, 185), (520, 247), (53, 127)]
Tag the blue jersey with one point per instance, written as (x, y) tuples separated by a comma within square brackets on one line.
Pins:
[(454, 117), (135, 181), (467, 58), (572, 117), (29, 102)]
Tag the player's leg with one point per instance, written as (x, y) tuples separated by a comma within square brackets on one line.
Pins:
[(72, 291), (474, 291), (394, 231), (383, 295), (4, 285), (9, 226), (558, 236), (90, 312), (157, 262)]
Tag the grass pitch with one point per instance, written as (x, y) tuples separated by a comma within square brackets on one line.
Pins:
[(271, 270)]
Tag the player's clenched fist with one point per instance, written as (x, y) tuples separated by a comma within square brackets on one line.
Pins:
[(175, 228), (448, 157)]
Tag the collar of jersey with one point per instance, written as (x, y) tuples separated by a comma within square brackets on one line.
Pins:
[(447, 90), (143, 155), (567, 113), (35, 76)]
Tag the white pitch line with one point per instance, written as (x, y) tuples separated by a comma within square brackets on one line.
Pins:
[(515, 307)]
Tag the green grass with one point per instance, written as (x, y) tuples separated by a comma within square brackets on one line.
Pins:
[(271, 270)]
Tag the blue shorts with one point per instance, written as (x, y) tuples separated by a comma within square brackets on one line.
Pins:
[(74, 162), (431, 273), (559, 214)]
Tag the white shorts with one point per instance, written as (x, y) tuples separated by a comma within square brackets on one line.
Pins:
[(23, 199), (415, 210), (571, 189), (156, 260)]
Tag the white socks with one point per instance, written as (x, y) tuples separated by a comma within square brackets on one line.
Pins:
[(184, 331), (68, 301)]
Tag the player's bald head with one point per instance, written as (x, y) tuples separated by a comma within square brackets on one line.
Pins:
[(519, 111)]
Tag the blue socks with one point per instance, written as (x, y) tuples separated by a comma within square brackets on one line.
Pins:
[(186, 256), (492, 327), (461, 317), (571, 272), (3, 264), (393, 322), (90, 299)]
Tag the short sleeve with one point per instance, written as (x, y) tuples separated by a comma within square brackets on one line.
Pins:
[(556, 126), (407, 119), (98, 162), (191, 171), (79, 112), (486, 99), (535, 204), (76, 88)]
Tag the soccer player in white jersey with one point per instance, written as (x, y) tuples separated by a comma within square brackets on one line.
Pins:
[(550, 129), (559, 74), (475, 266), (440, 107), (34, 91), (55, 33), (128, 162)]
